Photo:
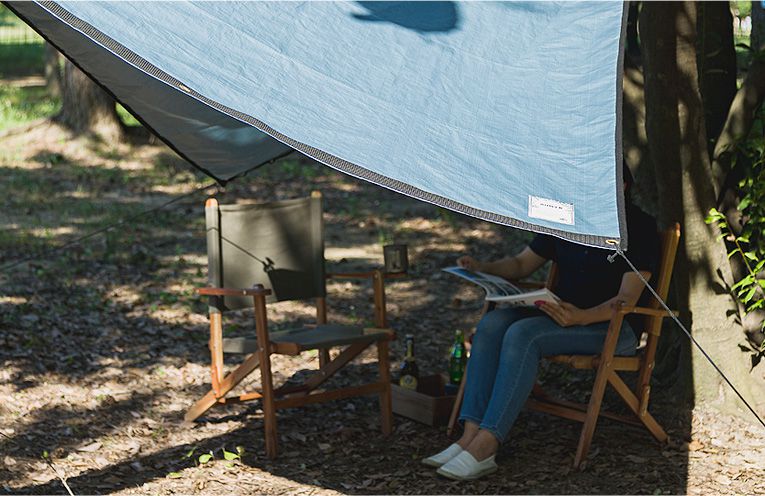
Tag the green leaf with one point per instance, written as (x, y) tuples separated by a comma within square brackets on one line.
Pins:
[(229, 455), (742, 282), (737, 250), (750, 255), (749, 295), (759, 266), (205, 457), (174, 475)]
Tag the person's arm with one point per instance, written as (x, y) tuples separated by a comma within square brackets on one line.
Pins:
[(566, 314), (511, 268)]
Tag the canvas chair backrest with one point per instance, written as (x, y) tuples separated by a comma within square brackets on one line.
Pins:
[(278, 244)]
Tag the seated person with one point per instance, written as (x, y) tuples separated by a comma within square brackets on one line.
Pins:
[(509, 342)]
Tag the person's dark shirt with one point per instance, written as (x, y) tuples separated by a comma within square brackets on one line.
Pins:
[(585, 276)]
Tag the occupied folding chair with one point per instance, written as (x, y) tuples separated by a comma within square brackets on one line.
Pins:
[(270, 252), (608, 365)]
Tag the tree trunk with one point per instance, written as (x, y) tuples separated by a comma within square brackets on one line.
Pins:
[(52, 70), (633, 41), (678, 149), (740, 119), (716, 65), (86, 108), (635, 142), (757, 38)]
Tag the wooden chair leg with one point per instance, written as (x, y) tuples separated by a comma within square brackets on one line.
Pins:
[(386, 406), (323, 357), (267, 385), (216, 350), (457, 405), (269, 411), (593, 411), (638, 406), (605, 369), (227, 384)]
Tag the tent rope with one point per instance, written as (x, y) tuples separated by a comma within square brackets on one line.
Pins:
[(76, 241), (619, 252)]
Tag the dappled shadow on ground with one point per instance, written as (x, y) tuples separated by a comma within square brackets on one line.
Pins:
[(103, 347), (338, 447)]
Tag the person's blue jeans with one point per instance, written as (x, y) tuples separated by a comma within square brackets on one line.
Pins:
[(504, 359)]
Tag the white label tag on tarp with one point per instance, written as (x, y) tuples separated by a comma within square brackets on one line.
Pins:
[(554, 211)]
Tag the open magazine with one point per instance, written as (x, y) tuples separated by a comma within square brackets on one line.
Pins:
[(501, 290)]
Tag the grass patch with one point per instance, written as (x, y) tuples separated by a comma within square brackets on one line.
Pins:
[(21, 59), (19, 105), (126, 117), (8, 18)]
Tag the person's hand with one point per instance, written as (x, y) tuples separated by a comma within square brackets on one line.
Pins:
[(469, 263), (565, 314)]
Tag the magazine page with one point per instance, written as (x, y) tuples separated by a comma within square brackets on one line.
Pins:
[(496, 287), (531, 298)]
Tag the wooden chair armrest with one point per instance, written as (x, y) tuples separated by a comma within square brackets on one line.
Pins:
[(653, 312), (233, 291)]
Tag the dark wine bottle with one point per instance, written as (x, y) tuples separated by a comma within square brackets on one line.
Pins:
[(409, 374)]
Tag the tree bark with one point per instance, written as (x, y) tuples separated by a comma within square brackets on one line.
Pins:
[(757, 38), (635, 142), (739, 121), (678, 149), (716, 64), (52, 70), (86, 108)]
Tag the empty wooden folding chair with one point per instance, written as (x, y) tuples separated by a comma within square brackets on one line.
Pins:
[(275, 252)]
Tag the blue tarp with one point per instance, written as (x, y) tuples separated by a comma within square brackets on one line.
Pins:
[(507, 111)]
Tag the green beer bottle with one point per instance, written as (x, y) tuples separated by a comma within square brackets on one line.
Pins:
[(457, 358), (409, 374)]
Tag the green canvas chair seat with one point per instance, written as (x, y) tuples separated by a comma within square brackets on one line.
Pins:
[(258, 254), (309, 338)]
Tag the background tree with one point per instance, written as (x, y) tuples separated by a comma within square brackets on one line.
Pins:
[(716, 60), (86, 108), (52, 70), (678, 147)]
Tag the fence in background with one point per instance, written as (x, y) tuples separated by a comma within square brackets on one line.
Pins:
[(18, 35), (13, 31)]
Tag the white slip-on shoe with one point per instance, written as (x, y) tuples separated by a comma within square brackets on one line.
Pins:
[(439, 459), (465, 467)]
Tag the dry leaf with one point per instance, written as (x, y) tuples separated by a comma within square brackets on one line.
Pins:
[(90, 448), (695, 445)]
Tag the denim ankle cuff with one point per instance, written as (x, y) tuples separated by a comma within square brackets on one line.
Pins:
[(494, 432), (475, 420)]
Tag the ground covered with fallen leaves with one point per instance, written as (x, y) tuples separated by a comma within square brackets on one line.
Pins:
[(104, 346)]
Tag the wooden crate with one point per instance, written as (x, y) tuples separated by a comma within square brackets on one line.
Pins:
[(429, 404)]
